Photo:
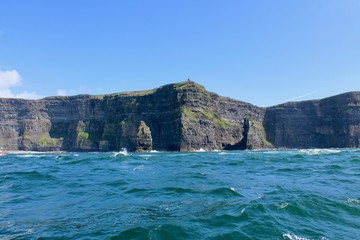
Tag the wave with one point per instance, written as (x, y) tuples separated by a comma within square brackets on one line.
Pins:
[(32, 175), (292, 169), (353, 201), (74, 161), (355, 159), (161, 231), (63, 157), (291, 236), (200, 150), (226, 153), (179, 190), (117, 183), (317, 151), (224, 192), (139, 168), (137, 190), (283, 205), (122, 153), (269, 151), (145, 156), (31, 155), (220, 192), (132, 233), (23, 234)]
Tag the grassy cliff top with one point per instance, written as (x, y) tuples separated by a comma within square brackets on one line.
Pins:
[(177, 86), (353, 97)]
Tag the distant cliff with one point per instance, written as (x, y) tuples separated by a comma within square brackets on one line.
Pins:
[(332, 122), (176, 117)]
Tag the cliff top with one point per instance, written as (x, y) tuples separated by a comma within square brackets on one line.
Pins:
[(352, 98)]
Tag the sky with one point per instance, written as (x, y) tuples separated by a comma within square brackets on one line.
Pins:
[(259, 51)]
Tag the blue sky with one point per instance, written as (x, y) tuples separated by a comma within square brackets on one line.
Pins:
[(260, 51)]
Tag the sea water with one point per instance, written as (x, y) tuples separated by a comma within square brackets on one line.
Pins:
[(290, 194)]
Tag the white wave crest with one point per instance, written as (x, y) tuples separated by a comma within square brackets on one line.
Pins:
[(139, 168), (123, 152), (227, 153), (353, 201), (317, 151), (291, 236), (200, 150), (283, 205)]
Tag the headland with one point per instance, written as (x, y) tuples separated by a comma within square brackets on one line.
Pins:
[(176, 117)]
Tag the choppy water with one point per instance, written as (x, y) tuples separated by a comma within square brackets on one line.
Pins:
[(297, 195)]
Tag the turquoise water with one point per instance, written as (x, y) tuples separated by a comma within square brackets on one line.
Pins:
[(299, 194)]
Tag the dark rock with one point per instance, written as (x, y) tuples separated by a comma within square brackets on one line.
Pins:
[(332, 122), (179, 117), (144, 138)]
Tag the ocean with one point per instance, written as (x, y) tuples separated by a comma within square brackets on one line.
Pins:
[(287, 194)]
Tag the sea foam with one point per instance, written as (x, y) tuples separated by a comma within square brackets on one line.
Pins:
[(291, 236), (317, 151)]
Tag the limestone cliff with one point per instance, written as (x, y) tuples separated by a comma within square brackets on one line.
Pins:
[(209, 121), (175, 117), (332, 122)]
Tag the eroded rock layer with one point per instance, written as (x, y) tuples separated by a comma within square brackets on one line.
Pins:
[(176, 117)]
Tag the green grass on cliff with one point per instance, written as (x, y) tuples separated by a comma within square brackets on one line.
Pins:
[(193, 116), (222, 123), (134, 93), (187, 112), (178, 86), (260, 127), (46, 141), (216, 119), (83, 135), (187, 84)]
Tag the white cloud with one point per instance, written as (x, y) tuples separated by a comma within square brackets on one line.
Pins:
[(10, 79)]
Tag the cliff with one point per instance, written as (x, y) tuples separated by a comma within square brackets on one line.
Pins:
[(332, 122), (176, 117)]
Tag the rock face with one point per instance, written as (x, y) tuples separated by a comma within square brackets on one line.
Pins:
[(209, 121), (176, 117), (330, 122), (144, 139)]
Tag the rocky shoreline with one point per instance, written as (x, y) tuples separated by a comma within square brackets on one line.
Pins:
[(176, 117)]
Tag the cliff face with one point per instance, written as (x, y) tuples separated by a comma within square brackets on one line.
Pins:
[(209, 121), (112, 122), (175, 117), (330, 122), (25, 125)]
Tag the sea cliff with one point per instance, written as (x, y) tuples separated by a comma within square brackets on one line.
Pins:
[(176, 117)]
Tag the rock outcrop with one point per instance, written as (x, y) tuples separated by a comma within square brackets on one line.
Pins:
[(176, 117), (144, 138)]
